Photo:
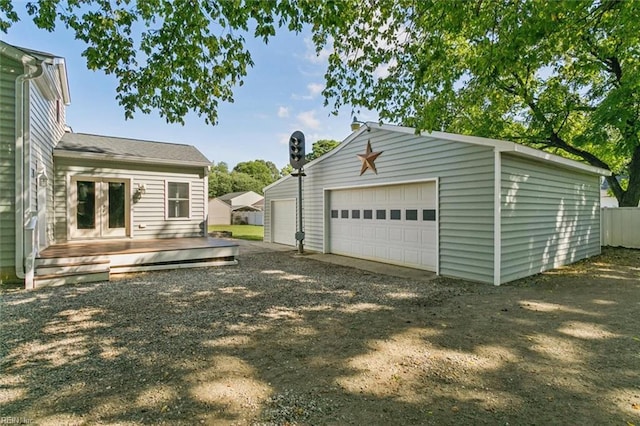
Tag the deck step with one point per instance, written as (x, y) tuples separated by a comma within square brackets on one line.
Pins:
[(62, 279), (71, 270)]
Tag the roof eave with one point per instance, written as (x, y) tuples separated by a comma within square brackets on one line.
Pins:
[(541, 155), (61, 153), (500, 145)]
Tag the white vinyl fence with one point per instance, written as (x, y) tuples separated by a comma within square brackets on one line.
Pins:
[(248, 218), (620, 227)]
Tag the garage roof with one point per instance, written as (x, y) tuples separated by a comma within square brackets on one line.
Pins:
[(496, 144)]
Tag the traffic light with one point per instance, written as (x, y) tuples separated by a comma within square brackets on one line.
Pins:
[(296, 150)]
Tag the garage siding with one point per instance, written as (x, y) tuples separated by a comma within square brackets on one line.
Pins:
[(550, 217), (466, 192)]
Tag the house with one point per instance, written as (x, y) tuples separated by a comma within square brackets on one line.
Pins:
[(461, 206), (78, 207), (236, 207)]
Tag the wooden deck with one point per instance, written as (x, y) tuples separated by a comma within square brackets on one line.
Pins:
[(113, 247), (90, 261)]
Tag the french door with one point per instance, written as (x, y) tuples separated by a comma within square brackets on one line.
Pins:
[(99, 207)]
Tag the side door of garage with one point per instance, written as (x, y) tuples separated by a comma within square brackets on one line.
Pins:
[(283, 222)]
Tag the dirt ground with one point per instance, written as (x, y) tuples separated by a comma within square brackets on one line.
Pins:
[(286, 340)]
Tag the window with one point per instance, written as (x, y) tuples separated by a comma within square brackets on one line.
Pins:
[(394, 214), (355, 214), (368, 214), (178, 200), (411, 214), (334, 214), (58, 111), (344, 214), (429, 215), (381, 214)]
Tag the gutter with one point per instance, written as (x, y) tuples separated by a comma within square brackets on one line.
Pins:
[(63, 153), (22, 161)]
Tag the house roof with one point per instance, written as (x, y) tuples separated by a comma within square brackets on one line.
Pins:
[(82, 145), (231, 195), (496, 144), (35, 57)]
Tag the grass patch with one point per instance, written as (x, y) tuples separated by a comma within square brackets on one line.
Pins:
[(243, 232)]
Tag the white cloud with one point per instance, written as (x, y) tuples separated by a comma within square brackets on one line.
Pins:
[(283, 112), (315, 89), (283, 138), (307, 119)]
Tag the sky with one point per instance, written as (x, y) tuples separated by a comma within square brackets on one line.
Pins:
[(281, 94)]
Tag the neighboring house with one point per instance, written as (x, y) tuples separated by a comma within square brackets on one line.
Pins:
[(236, 208), (462, 206), (93, 196)]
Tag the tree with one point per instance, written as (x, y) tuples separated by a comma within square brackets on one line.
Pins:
[(244, 182), (169, 56), (261, 170), (562, 75), (286, 170), (220, 181), (246, 176), (321, 147)]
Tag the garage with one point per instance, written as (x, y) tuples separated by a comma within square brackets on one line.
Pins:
[(468, 207), (283, 222), (392, 223)]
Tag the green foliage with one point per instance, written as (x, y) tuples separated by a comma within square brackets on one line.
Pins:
[(169, 56), (558, 75), (286, 170), (220, 181), (244, 182), (263, 171), (321, 147), (245, 176), (561, 75)]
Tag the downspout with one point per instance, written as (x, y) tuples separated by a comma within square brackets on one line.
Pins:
[(22, 161), (497, 216)]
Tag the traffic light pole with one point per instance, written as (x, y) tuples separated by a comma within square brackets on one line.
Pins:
[(300, 232), (297, 160)]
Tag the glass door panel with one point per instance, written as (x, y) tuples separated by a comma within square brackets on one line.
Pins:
[(100, 207), (115, 222)]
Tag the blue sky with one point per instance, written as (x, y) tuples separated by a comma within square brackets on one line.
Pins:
[(281, 94)]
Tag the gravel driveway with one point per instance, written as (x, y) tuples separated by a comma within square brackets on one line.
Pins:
[(280, 339)]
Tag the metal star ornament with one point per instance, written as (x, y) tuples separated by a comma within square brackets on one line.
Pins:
[(368, 159)]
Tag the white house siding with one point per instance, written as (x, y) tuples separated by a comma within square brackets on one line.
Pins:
[(465, 208), (148, 215), (9, 70), (550, 217), (46, 129)]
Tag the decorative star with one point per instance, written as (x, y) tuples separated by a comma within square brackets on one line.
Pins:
[(368, 158)]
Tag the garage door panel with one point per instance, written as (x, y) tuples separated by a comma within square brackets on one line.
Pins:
[(410, 242), (396, 235), (381, 234), (381, 252), (412, 257), (411, 235), (396, 254)]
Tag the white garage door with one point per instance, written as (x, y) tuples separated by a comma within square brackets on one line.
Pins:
[(392, 224), (283, 222)]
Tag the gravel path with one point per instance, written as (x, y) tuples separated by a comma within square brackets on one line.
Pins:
[(281, 339)]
